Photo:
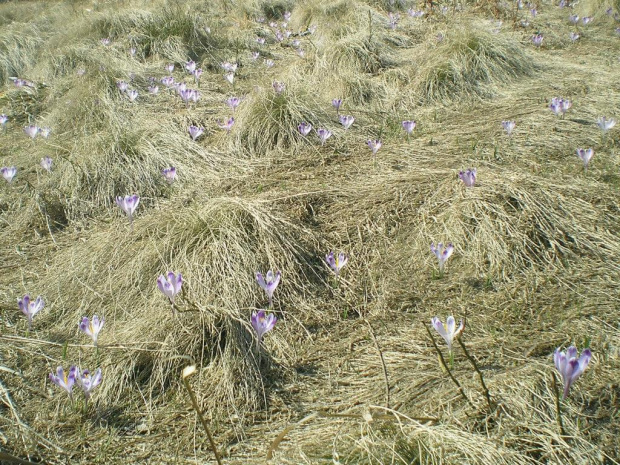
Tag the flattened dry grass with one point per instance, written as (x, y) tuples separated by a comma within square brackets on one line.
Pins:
[(536, 240)]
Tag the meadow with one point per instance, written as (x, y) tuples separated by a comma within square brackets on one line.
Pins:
[(272, 208)]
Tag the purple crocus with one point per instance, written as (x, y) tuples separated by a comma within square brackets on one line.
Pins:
[(605, 124), (190, 66), (153, 89), (573, 36), (468, 177), (31, 131), (168, 81), (262, 323), (449, 331), (255, 55), (233, 102), (170, 285), (409, 126), (586, 20), (260, 40), (122, 86), (88, 382), (537, 39), (64, 380), (226, 124), (230, 67), (304, 128), (8, 173), (106, 41), (337, 103), (269, 283), (323, 134), (46, 163), (569, 366), (169, 67), (346, 121), (197, 73), (509, 126), (573, 19), (442, 253), (560, 106), (132, 95), (585, 155), (278, 87), (30, 309), (91, 327), (230, 77), (195, 132), (45, 132), (170, 174), (269, 63), (3, 119), (374, 145), (336, 262), (128, 204)]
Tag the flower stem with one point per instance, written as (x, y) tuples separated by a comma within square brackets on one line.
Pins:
[(558, 406)]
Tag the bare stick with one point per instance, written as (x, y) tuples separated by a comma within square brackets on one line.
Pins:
[(187, 372), (558, 408), (276, 442), (445, 365), (385, 373), (473, 362)]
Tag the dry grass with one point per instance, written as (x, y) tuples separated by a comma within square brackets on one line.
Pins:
[(537, 240)]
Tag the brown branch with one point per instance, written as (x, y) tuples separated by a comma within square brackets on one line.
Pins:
[(385, 373), (475, 365)]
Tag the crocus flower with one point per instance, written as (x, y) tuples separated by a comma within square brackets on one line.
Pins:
[(170, 174), (337, 103), (255, 55), (122, 85), (30, 309), (409, 126), (8, 173), (393, 20), (585, 155), (269, 63), (132, 51), (31, 131), (605, 124), (468, 177), (346, 121), (197, 73), (64, 380), (106, 41), (46, 163), (278, 87), (195, 132), (262, 323), (537, 39), (323, 134), (233, 102), (45, 132), (260, 40), (336, 262), (569, 366), (573, 19), (170, 285), (128, 204), (168, 81), (533, 12), (169, 67), (304, 128), (3, 119), (374, 145), (230, 77), (226, 124), (91, 327), (189, 95), (190, 66), (153, 89), (574, 36), (442, 253), (508, 126), (449, 331), (586, 20), (287, 15), (88, 382), (560, 106), (132, 95), (230, 67), (269, 283)]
